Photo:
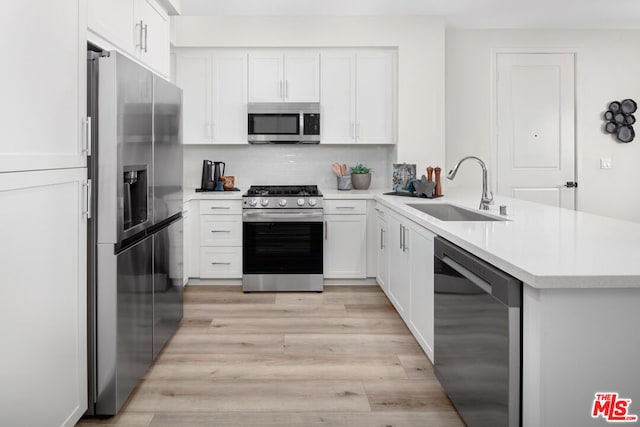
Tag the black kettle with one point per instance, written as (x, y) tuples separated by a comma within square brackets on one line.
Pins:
[(216, 170), (211, 174)]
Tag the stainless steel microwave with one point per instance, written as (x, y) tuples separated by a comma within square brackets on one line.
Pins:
[(283, 123)]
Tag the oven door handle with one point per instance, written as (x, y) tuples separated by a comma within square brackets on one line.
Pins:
[(262, 216)]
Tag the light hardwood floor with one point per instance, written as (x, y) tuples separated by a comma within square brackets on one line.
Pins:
[(340, 358)]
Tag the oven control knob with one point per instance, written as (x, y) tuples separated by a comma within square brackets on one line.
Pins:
[(312, 202), (283, 202), (253, 202), (300, 202), (264, 202)]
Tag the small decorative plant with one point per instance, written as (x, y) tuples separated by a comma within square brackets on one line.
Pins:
[(360, 177), (360, 168)]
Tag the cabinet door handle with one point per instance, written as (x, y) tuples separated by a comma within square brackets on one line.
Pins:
[(87, 136), (401, 234), (353, 129), (221, 231), (358, 131), (220, 263), (286, 88), (381, 239), (405, 247), (219, 207), (146, 26), (139, 34), (345, 207), (326, 230)]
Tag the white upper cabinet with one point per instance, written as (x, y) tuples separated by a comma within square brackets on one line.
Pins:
[(229, 98), (338, 95), (138, 28), (214, 84), (153, 25), (357, 99), (193, 75), (112, 20), (43, 90), (374, 91), (277, 76)]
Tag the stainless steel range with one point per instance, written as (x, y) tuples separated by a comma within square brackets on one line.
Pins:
[(282, 240)]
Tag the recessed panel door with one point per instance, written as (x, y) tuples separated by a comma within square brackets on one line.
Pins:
[(536, 127)]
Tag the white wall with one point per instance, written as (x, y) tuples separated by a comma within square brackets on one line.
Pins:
[(420, 44), (607, 69), (287, 164)]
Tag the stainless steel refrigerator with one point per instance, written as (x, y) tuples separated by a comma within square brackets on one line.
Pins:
[(135, 231)]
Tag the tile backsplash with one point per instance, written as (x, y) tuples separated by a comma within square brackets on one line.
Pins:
[(288, 164)]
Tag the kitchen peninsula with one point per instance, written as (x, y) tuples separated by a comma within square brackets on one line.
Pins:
[(581, 275)]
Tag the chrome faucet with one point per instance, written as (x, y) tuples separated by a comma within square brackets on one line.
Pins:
[(487, 196)]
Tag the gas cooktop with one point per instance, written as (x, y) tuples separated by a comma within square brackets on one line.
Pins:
[(282, 197), (284, 190)]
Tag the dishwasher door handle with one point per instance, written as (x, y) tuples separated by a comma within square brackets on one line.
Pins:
[(472, 277)]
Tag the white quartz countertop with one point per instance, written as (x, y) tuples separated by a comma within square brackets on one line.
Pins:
[(213, 195), (335, 194), (544, 246)]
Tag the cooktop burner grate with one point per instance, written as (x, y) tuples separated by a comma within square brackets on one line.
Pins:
[(284, 190)]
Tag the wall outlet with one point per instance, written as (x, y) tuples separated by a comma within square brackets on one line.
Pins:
[(605, 163)]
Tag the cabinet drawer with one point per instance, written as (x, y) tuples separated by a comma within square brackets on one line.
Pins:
[(220, 230), (221, 263), (226, 207), (345, 207)]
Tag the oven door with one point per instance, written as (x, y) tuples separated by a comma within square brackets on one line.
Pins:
[(282, 242)]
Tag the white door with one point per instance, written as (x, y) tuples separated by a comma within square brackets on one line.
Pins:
[(43, 90), (374, 93), (345, 247), (338, 95), (535, 96), (229, 98), (266, 76), (302, 77), (43, 247), (193, 75)]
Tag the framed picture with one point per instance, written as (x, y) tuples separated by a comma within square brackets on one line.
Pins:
[(402, 174)]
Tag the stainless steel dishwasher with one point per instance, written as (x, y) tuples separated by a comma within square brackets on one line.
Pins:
[(477, 341)]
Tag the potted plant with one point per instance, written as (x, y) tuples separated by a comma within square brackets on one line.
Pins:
[(360, 177)]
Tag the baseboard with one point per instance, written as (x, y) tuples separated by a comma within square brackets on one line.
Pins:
[(193, 281)]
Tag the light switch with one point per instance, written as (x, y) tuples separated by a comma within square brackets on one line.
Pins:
[(605, 163)]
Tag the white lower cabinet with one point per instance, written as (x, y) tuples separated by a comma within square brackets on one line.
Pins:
[(399, 287), (421, 282), (219, 236), (405, 273), (43, 301), (382, 250), (224, 262), (345, 239)]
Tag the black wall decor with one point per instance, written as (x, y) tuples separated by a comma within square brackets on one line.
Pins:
[(620, 119)]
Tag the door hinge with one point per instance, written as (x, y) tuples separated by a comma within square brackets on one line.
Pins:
[(87, 199), (571, 184)]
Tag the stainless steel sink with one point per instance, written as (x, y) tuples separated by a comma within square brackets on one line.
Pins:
[(445, 212)]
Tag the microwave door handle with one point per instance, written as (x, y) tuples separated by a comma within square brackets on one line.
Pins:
[(301, 124)]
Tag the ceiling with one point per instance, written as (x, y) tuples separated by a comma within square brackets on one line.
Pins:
[(458, 13)]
